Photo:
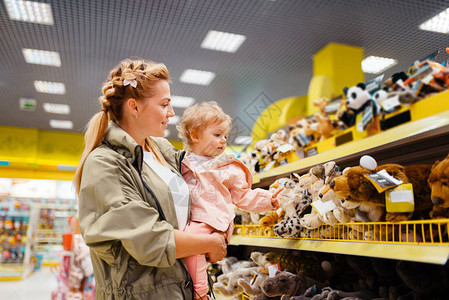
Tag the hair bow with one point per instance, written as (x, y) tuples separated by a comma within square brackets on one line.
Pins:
[(133, 83)]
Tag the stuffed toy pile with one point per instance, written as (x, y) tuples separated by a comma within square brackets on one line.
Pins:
[(339, 277)]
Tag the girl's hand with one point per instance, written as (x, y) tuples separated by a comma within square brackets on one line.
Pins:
[(217, 247), (275, 201)]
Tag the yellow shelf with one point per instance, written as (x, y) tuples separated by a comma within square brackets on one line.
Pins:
[(426, 241), (419, 253)]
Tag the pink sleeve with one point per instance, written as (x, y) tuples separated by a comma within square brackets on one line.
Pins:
[(253, 200)]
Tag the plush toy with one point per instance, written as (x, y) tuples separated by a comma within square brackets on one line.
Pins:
[(331, 294), (442, 78), (249, 160), (263, 151), (272, 219), (325, 126), (279, 138), (438, 181), (289, 284), (299, 198), (231, 263), (356, 191), (290, 224), (324, 174), (358, 101), (392, 81), (227, 284), (403, 97), (304, 133), (321, 104), (252, 287)]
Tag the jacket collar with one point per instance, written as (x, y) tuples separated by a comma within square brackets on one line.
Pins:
[(119, 140)]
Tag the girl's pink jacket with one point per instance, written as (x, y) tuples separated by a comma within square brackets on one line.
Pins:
[(215, 184)]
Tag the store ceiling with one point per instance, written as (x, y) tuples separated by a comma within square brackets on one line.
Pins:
[(274, 62)]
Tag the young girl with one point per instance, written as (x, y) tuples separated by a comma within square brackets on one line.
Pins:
[(215, 182)]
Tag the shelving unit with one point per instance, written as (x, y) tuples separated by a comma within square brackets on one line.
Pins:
[(22, 264), (51, 228), (421, 141), (433, 248)]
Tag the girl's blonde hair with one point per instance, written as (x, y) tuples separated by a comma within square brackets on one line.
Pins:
[(115, 93), (197, 117)]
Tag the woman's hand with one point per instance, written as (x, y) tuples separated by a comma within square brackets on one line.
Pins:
[(217, 249)]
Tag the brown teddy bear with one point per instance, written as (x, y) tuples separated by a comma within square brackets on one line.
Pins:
[(438, 182), (354, 187)]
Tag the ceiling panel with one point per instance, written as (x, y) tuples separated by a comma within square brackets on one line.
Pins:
[(275, 60)]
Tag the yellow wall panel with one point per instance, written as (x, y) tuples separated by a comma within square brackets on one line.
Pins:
[(341, 63), (286, 109), (18, 144), (59, 148)]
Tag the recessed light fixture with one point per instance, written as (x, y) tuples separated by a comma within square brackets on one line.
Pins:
[(243, 140), (181, 101), (376, 64), (54, 108), (197, 77), (62, 124), (50, 87), (174, 120), (29, 11), (42, 57), (222, 41), (439, 23)]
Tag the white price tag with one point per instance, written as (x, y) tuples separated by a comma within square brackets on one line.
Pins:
[(391, 103), (323, 207), (272, 269)]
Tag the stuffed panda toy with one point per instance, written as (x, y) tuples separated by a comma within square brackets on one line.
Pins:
[(358, 101)]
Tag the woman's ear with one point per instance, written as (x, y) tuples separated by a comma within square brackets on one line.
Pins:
[(131, 104)]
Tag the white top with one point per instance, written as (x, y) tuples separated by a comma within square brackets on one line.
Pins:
[(178, 188)]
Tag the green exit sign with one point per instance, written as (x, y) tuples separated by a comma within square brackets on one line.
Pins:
[(27, 104)]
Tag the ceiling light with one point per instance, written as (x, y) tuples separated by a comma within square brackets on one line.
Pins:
[(29, 11), (197, 77), (42, 57), (54, 108), (243, 140), (49, 87), (174, 120), (62, 124), (222, 41), (181, 101), (439, 23), (375, 64)]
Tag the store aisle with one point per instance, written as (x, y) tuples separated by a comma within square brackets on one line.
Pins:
[(37, 286)]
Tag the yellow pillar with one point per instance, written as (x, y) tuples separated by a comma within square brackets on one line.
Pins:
[(334, 67)]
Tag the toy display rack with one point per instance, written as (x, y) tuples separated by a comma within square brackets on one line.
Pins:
[(420, 141), (426, 241)]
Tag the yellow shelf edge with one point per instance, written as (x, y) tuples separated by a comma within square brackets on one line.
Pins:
[(392, 135), (418, 253)]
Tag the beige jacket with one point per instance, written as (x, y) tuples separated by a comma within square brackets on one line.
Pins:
[(127, 218)]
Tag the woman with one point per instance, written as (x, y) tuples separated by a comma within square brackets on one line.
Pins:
[(132, 199)]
